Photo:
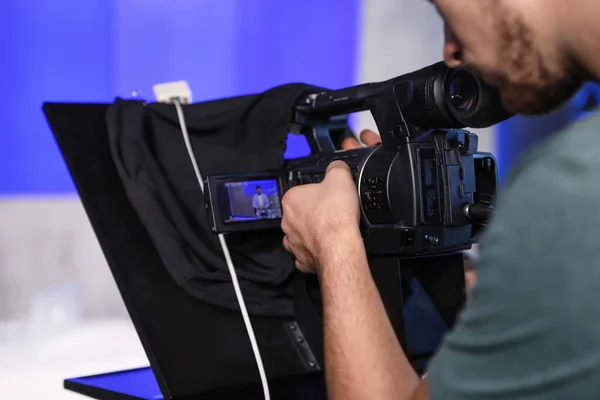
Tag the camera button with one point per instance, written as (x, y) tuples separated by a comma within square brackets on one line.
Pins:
[(409, 238)]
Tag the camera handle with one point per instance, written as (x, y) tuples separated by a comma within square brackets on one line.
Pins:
[(325, 136)]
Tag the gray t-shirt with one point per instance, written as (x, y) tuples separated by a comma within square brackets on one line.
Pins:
[(532, 328)]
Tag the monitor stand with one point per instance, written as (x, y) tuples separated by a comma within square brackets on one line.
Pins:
[(140, 384)]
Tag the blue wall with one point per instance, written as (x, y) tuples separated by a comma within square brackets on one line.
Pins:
[(51, 50), (94, 50)]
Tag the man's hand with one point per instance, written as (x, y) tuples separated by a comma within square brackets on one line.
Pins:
[(317, 218), (320, 219), (369, 138)]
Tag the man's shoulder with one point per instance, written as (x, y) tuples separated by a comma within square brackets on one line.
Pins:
[(548, 213), (574, 147), (529, 329), (563, 168)]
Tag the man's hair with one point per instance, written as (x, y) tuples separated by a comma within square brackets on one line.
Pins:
[(258, 187)]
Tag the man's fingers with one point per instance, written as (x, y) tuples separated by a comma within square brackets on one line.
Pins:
[(285, 202), (299, 266), (284, 225), (337, 165), (369, 138), (286, 244), (350, 143), (303, 268)]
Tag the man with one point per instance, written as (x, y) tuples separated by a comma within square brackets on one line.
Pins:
[(260, 202), (530, 329)]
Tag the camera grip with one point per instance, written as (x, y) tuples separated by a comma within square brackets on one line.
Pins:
[(327, 136)]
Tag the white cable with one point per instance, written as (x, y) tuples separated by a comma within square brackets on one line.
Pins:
[(230, 266)]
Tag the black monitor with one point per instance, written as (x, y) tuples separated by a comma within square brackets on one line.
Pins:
[(189, 343)]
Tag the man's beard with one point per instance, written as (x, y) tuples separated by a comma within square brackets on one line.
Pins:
[(531, 81)]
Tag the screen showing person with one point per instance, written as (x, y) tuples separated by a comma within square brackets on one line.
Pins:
[(252, 200)]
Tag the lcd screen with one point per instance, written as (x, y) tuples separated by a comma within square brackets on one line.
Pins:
[(245, 200)]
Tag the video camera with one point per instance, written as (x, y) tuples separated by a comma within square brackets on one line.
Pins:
[(425, 190)]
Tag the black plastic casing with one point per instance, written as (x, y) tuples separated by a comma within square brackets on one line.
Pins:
[(412, 201), (417, 187)]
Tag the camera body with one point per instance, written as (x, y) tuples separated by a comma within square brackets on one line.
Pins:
[(426, 190)]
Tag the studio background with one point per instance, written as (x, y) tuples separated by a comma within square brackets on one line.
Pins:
[(60, 312)]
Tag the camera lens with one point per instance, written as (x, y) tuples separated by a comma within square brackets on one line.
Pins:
[(462, 91)]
